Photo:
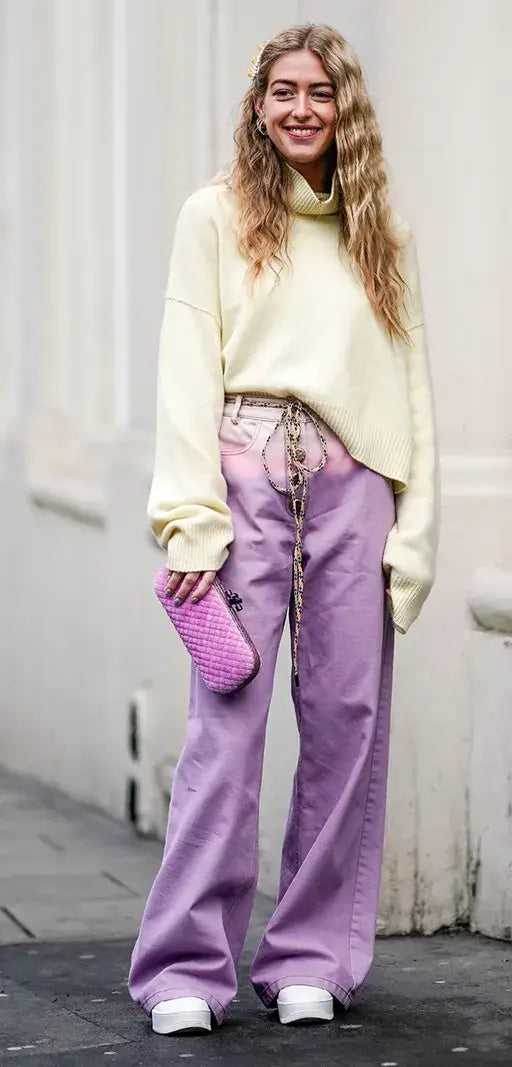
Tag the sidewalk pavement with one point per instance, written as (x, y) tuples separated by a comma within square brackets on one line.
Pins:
[(72, 887)]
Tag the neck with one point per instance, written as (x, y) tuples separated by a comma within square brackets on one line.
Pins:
[(303, 200), (318, 174)]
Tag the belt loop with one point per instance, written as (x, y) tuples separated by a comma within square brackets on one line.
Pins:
[(234, 416)]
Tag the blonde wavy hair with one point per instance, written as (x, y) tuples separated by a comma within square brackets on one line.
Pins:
[(260, 181)]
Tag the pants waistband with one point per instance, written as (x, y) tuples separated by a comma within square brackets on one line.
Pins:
[(266, 403), (263, 398)]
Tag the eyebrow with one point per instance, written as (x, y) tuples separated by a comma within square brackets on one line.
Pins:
[(313, 85)]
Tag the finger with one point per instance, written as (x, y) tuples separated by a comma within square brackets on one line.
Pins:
[(173, 576), (187, 584), (204, 585), (173, 579)]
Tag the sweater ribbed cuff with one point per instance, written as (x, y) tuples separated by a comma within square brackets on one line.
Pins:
[(407, 599), (206, 550)]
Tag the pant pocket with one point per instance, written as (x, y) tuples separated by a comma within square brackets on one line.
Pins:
[(237, 437)]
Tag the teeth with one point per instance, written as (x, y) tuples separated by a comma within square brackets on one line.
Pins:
[(301, 132)]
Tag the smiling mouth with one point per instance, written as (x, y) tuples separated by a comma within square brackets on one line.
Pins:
[(302, 131)]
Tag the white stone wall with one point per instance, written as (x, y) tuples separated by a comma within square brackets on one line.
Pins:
[(111, 112)]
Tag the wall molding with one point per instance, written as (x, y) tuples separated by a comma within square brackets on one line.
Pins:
[(69, 472), (67, 469), (476, 475)]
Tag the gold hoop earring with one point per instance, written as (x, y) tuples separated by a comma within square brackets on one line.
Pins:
[(260, 123)]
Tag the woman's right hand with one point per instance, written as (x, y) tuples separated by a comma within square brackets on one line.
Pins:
[(179, 584)]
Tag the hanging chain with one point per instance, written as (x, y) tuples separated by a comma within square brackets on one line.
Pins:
[(297, 472)]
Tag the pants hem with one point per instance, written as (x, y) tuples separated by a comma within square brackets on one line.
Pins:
[(269, 992), (184, 991)]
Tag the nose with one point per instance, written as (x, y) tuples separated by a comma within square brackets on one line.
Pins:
[(302, 108)]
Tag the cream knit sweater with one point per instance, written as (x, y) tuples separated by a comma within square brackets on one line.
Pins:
[(314, 336)]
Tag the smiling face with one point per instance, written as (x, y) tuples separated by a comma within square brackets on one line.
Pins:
[(300, 112)]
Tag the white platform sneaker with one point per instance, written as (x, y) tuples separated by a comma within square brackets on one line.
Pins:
[(182, 1013), (297, 1002)]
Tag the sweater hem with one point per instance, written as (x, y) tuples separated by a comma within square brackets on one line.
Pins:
[(383, 451), (203, 548), (407, 597)]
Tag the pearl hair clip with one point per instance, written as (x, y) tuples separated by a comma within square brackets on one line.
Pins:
[(255, 62)]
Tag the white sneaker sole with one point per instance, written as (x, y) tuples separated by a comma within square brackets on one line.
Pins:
[(174, 1022), (294, 1013)]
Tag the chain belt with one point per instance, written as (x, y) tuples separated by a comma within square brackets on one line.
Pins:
[(297, 477)]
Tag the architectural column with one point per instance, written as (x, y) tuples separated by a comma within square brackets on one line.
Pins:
[(9, 253), (75, 197), (90, 127), (22, 47), (72, 414), (490, 783)]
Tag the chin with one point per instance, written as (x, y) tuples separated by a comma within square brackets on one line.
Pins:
[(302, 157), (302, 153)]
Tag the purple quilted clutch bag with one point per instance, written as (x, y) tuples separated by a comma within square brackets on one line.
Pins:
[(217, 641)]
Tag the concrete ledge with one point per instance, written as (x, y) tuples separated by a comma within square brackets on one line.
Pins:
[(72, 499), (490, 599)]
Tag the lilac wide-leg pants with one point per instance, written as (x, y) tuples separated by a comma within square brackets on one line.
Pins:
[(322, 931)]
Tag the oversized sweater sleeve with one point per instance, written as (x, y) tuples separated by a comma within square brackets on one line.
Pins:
[(411, 549), (187, 506)]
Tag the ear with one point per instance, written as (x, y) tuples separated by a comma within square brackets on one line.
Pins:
[(259, 107)]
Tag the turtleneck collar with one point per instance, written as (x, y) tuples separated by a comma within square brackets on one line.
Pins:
[(304, 201)]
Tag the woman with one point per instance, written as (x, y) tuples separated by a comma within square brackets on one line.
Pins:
[(296, 456)]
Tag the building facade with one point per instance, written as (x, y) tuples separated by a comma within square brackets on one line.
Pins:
[(112, 111)]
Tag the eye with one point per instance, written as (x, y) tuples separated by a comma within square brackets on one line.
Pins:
[(323, 96), (281, 92)]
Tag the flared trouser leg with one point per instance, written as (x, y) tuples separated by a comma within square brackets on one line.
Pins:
[(323, 928), (199, 907)]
